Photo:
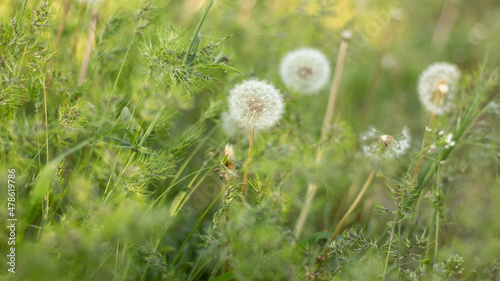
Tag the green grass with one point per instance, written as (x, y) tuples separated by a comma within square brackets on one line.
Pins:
[(126, 176)]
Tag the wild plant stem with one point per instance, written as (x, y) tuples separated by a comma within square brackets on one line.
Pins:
[(58, 38), (436, 192), (62, 22), (437, 98), (247, 163), (388, 254), (312, 187), (46, 141), (447, 19), (111, 94), (335, 86), (436, 237), (143, 139), (88, 50), (193, 44), (346, 216), (424, 144), (351, 209)]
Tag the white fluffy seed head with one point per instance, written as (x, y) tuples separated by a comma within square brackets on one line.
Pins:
[(255, 104), (437, 85), (305, 70), (377, 144), (231, 127)]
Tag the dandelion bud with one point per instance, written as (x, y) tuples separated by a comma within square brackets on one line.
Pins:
[(436, 87), (305, 70), (228, 152), (377, 144), (255, 104)]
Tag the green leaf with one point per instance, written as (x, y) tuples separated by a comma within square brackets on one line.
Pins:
[(120, 141), (220, 66), (317, 236), (224, 277), (191, 55)]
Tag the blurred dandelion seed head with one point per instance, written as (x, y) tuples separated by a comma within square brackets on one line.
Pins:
[(256, 104), (377, 144), (437, 85), (305, 70)]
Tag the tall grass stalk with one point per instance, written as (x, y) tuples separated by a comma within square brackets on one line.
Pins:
[(88, 50), (360, 195), (426, 136), (444, 26), (312, 187)]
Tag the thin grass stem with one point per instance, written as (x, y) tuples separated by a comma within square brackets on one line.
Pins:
[(88, 50), (312, 187), (247, 163)]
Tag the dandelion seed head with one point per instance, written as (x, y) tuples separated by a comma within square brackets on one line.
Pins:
[(437, 85), (256, 104), (377, 144), (305, 70)]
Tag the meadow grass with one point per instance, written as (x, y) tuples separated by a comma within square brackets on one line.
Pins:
[(184, 140)]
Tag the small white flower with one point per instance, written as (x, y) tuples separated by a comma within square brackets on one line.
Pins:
[(255, 104), (449, 140), (378, 144), (305, 70), (437, 85), (432, 149)]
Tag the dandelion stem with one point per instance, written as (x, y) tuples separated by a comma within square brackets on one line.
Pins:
[(247, 163), (88, 51), (336, 83), (445, 24), (426, 136), (312, 187)]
